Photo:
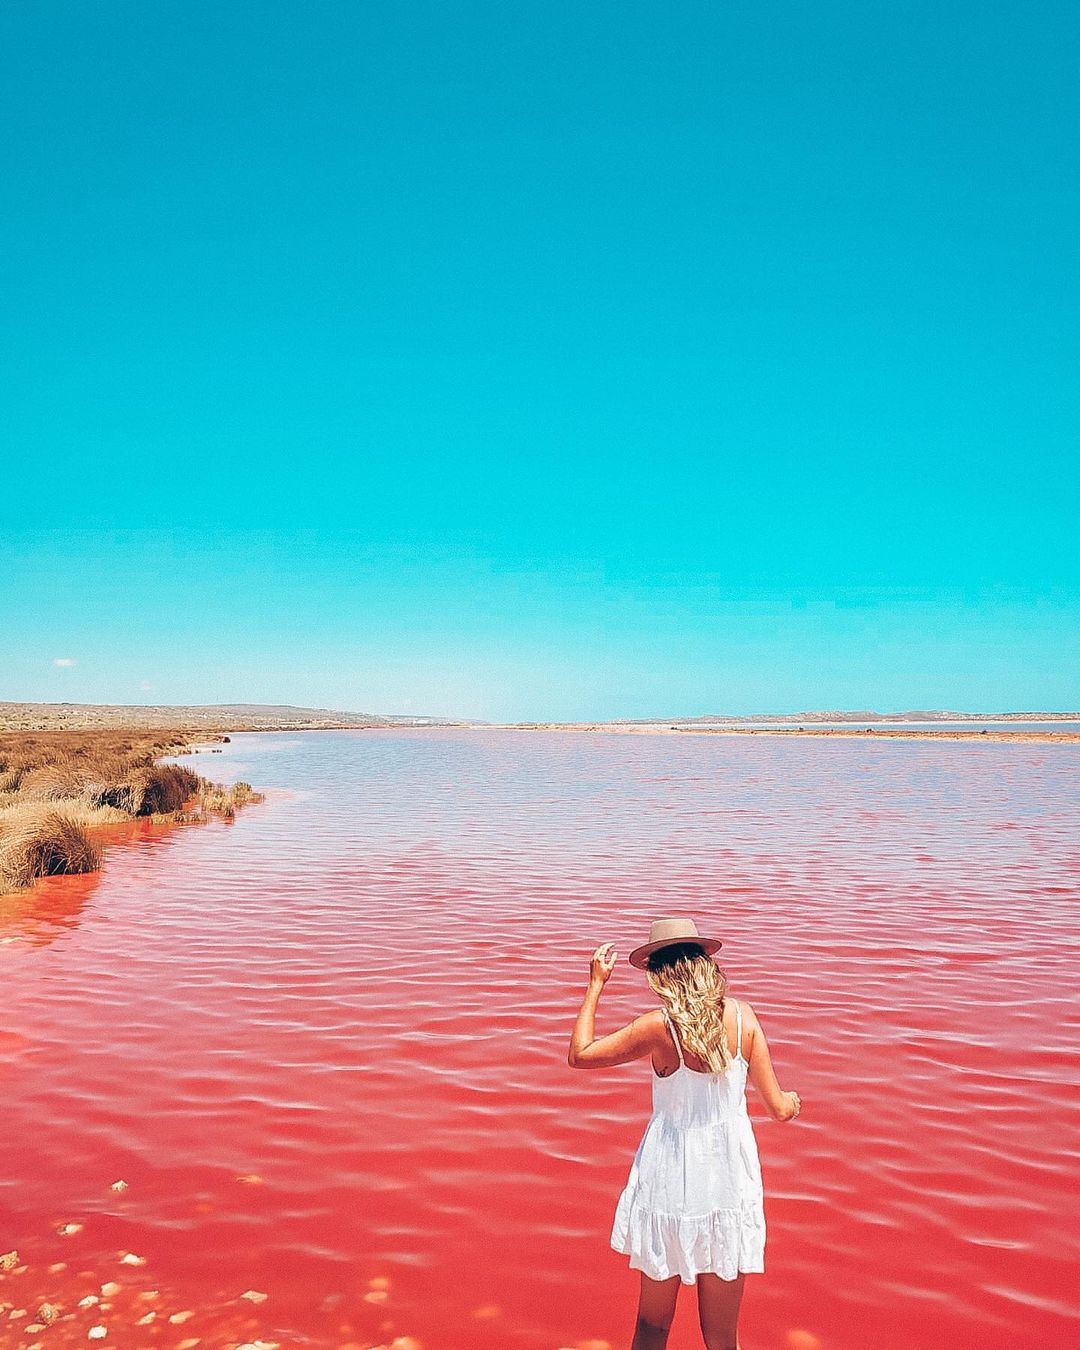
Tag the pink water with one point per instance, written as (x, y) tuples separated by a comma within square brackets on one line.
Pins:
[(361, 993)]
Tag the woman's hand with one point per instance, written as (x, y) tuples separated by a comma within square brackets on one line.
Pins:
[(794, 1105), (603, 963)]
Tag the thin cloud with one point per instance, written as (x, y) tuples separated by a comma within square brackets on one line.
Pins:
[(64, 661)]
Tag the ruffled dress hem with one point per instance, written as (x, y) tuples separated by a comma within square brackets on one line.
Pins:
[(727, 1242)]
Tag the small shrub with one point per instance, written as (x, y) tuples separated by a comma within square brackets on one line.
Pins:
[(158, 789)]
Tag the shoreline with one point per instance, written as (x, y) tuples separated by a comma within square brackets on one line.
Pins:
[(62, 791), (191, 728), (884, 732)]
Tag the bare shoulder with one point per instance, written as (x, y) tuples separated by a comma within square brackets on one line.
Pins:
[(750, 1024), (749, 1016), (653, 1022), (649, 1030)]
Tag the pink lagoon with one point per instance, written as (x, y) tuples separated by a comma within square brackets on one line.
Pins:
[(324, 1047)]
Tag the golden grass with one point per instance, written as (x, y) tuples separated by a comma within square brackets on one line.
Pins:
[(17, 813), (58, 786)]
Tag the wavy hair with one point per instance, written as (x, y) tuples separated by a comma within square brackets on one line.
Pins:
[(692, 987)]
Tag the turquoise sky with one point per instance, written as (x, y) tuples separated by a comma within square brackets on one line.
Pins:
[(541, 360)]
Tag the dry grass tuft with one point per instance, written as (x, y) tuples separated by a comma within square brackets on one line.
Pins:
[(46, 846)]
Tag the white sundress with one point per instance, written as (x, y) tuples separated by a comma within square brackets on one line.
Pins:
[(694, 1204)]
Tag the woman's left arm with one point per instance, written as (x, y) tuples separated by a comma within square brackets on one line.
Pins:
[(631, 1042)]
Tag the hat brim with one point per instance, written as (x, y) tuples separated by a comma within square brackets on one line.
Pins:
[(640, 955)]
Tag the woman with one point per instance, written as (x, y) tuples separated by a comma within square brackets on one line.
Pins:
[(692, 1209)]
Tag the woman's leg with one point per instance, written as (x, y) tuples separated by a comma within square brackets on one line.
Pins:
[(656, 1308), (718, 1310)]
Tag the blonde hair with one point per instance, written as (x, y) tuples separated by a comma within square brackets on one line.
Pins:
[(692, 988)]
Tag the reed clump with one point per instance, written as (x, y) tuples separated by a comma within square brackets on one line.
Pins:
[(57, 788), (226, 801)]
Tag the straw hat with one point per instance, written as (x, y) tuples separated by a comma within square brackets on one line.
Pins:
[(668, 932)]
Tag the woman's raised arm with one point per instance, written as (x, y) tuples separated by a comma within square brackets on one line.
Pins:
[(633, 1041)]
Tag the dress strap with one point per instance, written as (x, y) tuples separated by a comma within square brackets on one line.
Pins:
[(738, 1028), (674, 1035)]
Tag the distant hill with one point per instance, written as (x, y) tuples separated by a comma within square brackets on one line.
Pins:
[(216, 717)]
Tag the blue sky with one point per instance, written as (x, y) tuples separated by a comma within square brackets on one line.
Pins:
[(548, 360)]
